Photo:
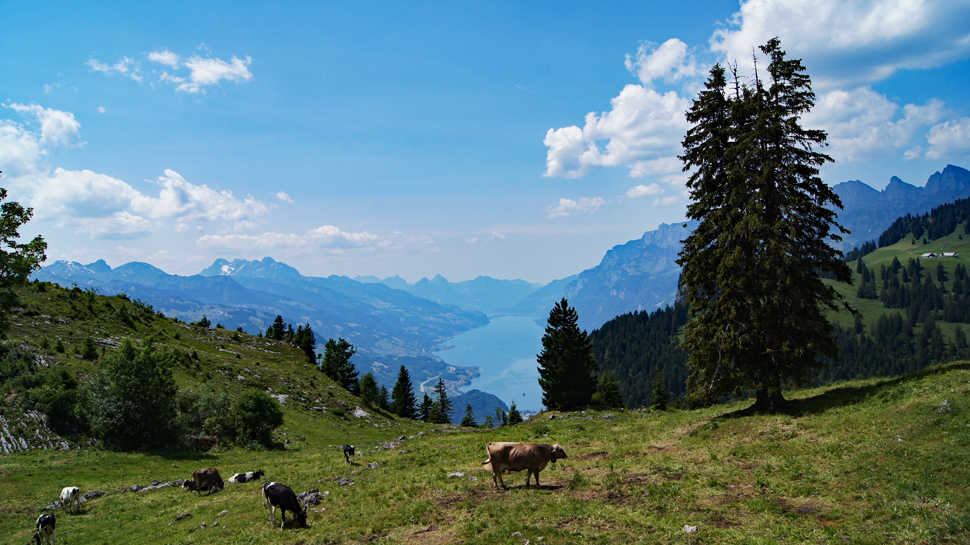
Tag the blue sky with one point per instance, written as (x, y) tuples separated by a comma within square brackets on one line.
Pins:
[(508, 139)]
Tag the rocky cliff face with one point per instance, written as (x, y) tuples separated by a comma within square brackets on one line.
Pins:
[(868, 212)]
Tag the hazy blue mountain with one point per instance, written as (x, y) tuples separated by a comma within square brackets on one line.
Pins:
[(868, 212), (389, 327), (483, 294)]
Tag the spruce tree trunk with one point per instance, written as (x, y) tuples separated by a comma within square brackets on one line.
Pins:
[(769, 401)]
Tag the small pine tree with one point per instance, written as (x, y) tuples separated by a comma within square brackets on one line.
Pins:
[(403, 401), (369, 390), (468, 420), (608, 395), (660, 395), (336, 364), (514, 416), (425, 411), (441, 407)]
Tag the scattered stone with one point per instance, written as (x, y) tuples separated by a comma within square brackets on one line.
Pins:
[(374, 465), (183, 516), (457, 474), (311, 498), (690, 529), (222, 513), (345, 482), (517, 534)]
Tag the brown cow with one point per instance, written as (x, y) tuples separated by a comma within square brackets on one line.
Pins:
[(209, 478), (531, 457)]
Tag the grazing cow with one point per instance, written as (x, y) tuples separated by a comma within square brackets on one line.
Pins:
[(45, 529), (531, 457), (279, 496), (246, 477), (71, 496), (209, 478), (349, 453)]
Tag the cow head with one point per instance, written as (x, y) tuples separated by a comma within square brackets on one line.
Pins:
[(557, 452), (301, 519), (259, 473)]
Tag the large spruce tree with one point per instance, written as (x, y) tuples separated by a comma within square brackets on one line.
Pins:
[(751, 267), (566, 364)]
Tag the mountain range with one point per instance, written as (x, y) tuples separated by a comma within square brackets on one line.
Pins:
[(393, 323)]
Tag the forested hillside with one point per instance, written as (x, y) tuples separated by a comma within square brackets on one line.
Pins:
[(911, 292)]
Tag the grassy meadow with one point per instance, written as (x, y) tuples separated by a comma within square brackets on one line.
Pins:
[(879, 461)]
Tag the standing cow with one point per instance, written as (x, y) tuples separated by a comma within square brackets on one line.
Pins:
[(279, 496), (207, 478), (71, 496), (349, 454), (531, 457), (46, 529)]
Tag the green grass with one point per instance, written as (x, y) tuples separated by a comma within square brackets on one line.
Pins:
[(879, 461)]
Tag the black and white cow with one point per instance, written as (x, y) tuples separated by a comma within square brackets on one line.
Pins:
[(279, 496), (349, 453), (71, 496), (246, 477), (45, 529)]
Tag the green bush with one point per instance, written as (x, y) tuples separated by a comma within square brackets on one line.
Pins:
[(132, 403), (257, 415)]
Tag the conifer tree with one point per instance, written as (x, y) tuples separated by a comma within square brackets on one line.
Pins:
[(440, 412), (468, 420), (566, 364), (608, 392), (424, 412), (403, 401), (336, 364), (514, 416), (766, 222), (660, 395), (17, 260), (369, 390)]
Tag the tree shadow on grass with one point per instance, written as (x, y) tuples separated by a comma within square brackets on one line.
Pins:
[(849, 395)]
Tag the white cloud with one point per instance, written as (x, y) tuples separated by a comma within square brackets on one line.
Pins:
[(666, 200), (326, 238), (179, 198), (101, 109), (57, 128), (951, 138), (190, 75), (642, 125), (126, 67), (643, 191), (569, 207), (165, 57), (207, 71), (863, 124), (670, 61), (282, 195), (857, 42)]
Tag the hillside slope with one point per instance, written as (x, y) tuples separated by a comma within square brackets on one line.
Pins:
[(880, 461)]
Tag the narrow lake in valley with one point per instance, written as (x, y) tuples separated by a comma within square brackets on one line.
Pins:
[(505, 353)]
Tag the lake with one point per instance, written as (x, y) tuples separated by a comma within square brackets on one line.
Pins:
[(504, 351)]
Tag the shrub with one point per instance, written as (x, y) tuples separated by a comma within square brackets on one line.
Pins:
[(257, 415)]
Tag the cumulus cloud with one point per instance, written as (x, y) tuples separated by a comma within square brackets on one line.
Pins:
[(670, 61), (569, 207), (57, 128), (850, 43), (164, 57), (949, 138), (863, 124), (97, 203), (283, 196), (642, 125)]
